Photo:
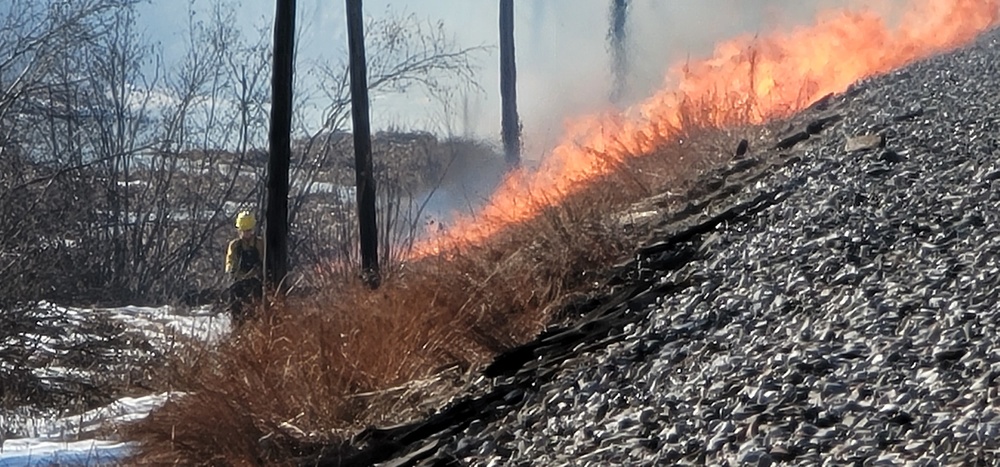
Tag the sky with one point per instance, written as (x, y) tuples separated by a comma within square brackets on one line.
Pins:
[(561, 49)]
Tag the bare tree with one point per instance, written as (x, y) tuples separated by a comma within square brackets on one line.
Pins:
[(216, 122), (365, 186), (213, 120), (510, 123), (119, 174), (43, 192), (404, 55), (131, 224), (279, 143), (129, 166), (617, 36)]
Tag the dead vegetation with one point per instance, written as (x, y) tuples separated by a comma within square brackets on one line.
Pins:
[(316, 372), (55, 361), (120, 174), (100, 200)]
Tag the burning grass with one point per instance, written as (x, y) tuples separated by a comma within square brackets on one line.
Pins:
[(320, 370), (350, 358)]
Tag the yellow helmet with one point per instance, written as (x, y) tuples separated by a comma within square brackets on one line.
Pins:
[(245, 221)]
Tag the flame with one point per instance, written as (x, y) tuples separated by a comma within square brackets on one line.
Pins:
[(747, 80)]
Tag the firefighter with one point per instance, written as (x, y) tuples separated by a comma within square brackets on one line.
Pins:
[(245, 266)]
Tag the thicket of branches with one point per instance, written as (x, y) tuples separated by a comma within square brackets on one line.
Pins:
[(120, 174)]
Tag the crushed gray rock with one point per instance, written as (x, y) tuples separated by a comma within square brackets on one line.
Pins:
[(831, 307)]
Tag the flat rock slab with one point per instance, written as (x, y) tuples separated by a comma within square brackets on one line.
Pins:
[(864, 142)]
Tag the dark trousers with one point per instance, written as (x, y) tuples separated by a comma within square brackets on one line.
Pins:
[(243, 298)]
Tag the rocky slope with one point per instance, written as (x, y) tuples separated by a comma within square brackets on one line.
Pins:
[(831, 300)]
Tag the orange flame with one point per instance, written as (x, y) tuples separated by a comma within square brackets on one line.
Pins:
[(747, 80)]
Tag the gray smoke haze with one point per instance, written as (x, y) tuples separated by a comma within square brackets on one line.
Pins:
[(565, 64)]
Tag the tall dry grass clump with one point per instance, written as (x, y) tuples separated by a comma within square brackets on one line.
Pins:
[(319, 369)]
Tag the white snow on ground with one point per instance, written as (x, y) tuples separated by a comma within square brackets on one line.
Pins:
[(80, 453), (162, 324), (88, 439), (73, 440)]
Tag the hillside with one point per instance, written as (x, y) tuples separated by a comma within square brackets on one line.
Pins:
[(827, 300)]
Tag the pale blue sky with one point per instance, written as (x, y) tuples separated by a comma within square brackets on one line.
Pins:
[(561, 47)]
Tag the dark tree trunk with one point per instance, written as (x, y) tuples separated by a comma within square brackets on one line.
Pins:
[(280, 145), (619, 48), (362, 145), (510, 124)]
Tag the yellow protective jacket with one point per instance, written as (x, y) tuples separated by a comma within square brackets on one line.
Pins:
[(245, 258)]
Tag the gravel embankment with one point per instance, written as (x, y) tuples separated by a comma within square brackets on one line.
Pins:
[(853, 320)]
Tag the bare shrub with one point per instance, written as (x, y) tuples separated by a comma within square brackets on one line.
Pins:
[(121, 175), (99, 359)]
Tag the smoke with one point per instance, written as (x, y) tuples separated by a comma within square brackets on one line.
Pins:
[(573, 54), (574, 57), (577, 57)]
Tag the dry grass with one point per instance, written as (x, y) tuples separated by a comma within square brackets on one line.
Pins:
[(323, 368)]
